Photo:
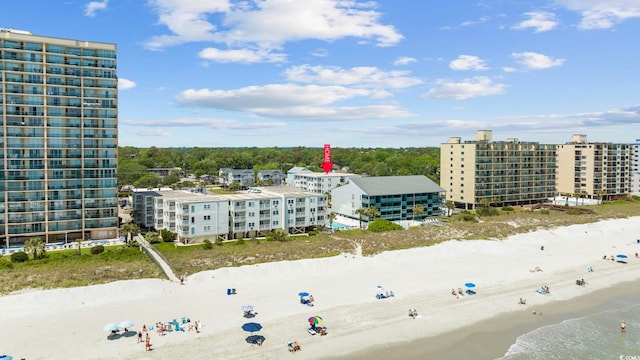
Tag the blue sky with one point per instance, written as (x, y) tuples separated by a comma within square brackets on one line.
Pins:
[(382, 73)]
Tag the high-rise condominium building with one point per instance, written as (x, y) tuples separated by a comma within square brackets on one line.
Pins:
[(594, 170), (58, 157), (635, 168), (507, 172)]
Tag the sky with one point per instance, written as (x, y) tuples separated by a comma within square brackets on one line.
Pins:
[(351, 73)]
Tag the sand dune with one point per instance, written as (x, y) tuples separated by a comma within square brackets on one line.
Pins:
[(68, 323)]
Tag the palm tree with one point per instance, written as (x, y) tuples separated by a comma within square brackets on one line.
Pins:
[(417, 210), (35, 247), (332, 216), (450, 206), (372, 212), (128, 229), (360, 212)]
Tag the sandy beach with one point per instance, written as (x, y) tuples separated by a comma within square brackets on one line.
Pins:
[(68, 323)]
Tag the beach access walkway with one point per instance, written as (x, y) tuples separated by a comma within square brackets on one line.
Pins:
[(157, 257)]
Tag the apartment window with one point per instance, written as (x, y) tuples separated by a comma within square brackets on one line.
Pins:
[(193, 231), (461, 165), (275, 212), (207, 217), (207, 206), (207, 228), (193, 219), (290, 201), (193, 208), (462, 172), (274, 223), (251, 203), (251, 224), (276, 202)]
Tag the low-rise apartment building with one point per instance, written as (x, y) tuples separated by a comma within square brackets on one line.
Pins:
[(394, 197), (320, 182), (243, 177), (635, 168), (254, 213)]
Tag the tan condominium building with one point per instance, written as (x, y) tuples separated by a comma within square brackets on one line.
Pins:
[(58, 157), (509, 172), (593, 170)]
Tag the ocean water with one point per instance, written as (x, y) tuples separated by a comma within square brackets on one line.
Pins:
[(593, 336)]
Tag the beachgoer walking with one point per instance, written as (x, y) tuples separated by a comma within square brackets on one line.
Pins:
[(139, 336), (147, 343)]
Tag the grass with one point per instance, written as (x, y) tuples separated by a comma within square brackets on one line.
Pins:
[(66, 269)]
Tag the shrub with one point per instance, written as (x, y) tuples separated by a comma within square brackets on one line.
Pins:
[(20, 256), (98, 249), (544, 212), (507, 208), (382, 225), (219, 241), (207, 245), (486, 211), (573, 212)]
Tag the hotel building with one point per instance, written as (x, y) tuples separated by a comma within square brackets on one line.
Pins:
[(58, 157), (635, 168)]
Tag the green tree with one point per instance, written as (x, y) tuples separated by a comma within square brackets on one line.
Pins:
[(129, 228), (147, 181), (35, 247), (153, 237), (417, 210), (168, 235), (372, 212), (332, 216), (361, 212), (450, 206)]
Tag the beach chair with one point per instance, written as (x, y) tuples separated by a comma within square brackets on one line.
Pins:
[(311, 331)]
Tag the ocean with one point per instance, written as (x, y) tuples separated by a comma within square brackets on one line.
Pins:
[(593, 336)]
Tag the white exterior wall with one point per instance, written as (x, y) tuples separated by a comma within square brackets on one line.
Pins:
[(635, 168), (200, 220), (346, 199), (320, 183)]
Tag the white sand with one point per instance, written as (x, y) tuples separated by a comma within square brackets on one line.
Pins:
[(68, 323)]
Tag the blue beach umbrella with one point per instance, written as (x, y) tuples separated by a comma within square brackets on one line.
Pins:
[(621, 256), (251, 327), (470, 285), (303, 294), (126, 324)]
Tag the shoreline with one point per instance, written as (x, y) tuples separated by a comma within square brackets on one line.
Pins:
[(490, 339), (69, 322)]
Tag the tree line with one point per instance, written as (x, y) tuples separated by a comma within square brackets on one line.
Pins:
[(133, 162)]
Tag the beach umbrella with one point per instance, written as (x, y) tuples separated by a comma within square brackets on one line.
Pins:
[(126, 324), (247, 308), (621, 256), (255, 339), (303, 294), (315, 320), (470, 285), (111, 327), (251, 327)]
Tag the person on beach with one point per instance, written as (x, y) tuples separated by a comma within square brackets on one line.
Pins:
[(413, 313), (139, 336), (522, 301), (623, 326), (147, 343)]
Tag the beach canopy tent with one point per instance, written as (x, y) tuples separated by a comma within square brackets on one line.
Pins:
[(111, 327), (126, 324)]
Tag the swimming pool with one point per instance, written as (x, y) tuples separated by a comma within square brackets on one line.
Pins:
[(336, 225)]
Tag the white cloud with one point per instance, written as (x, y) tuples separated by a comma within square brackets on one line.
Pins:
[(404, 60), (315, 113), (320, 52), (358, 76), (94, 6), (124, 84), (241, 55), (465, 89), (540, 21), (153, 132), (467, 62), (508, 69), (268, 96), (220, 124), (535, 61), (602, 14), (252, 22)]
